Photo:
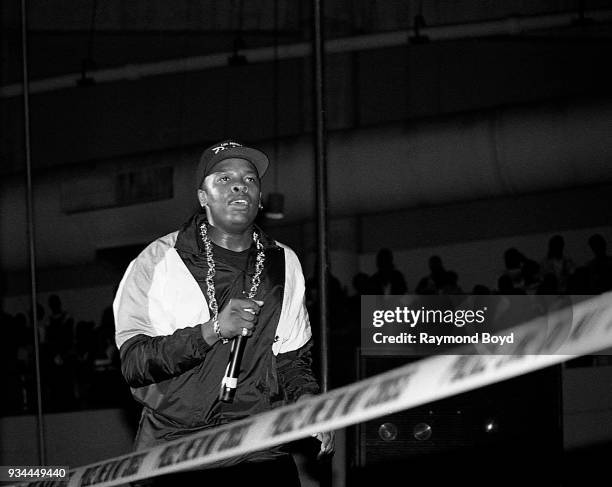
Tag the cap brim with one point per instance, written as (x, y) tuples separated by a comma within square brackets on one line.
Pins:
[(254, 156)]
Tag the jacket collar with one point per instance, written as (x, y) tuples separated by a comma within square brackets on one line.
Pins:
[(189, 240)]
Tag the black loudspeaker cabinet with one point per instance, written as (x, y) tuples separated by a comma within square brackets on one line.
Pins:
[(500, 434)]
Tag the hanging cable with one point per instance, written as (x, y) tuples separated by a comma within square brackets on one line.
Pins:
[(276, 84), (321, 184), (88, 65), (275, 203), (42, 456)]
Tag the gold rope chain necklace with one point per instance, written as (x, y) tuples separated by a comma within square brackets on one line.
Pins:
[(210, 276)]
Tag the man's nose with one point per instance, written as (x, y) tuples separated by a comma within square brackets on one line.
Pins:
[(240, 188)]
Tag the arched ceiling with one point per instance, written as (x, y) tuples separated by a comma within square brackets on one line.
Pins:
[(260, 101)]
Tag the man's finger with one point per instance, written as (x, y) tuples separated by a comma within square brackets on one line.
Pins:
[(246, 316), (323, 453), (327, 444), (259, 303), (246, 303)]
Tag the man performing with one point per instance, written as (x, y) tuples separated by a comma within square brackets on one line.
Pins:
[(188, 294)]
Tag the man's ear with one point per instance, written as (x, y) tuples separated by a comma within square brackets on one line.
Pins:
[(202, 197)]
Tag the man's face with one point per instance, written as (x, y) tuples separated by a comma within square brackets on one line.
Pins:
[(231, 195)]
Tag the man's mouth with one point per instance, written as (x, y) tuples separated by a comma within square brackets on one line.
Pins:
[(241, 202)]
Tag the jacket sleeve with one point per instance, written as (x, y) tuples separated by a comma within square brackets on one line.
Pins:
[(146, 360), (295, 372), (293, 348), (154, 343)]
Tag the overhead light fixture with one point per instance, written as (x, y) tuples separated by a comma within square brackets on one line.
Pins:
[(88, 65), (419, 23), (274, 209), (237, 59)]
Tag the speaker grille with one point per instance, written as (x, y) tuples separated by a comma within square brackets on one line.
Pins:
[(517, 417)]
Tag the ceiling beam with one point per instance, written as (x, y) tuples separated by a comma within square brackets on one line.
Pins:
[(510, 26)]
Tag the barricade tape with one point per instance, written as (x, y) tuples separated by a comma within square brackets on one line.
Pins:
[(408, 386)]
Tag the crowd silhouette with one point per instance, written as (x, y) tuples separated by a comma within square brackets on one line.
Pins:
[(556, 274), (79, 361)]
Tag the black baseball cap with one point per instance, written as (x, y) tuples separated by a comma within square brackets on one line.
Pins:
[(226, 150)]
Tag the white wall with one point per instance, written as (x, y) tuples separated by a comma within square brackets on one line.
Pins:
[(389, 168)]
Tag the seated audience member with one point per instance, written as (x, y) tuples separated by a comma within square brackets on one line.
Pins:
[(387, 279), (432, 283), (523, 272), (481, 289), (549, 285), (600, 266), (578, 282), (505, 285), (557, 264), (450, 284)]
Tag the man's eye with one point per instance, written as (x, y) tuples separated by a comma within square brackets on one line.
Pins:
[(223, 179), (250, 179)]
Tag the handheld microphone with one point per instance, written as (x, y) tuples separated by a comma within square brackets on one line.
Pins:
[(230, 381)]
